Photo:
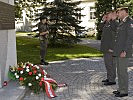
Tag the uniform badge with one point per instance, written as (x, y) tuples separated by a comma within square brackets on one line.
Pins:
[(131, 25)]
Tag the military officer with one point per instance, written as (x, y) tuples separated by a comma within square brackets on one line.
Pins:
[(106, 48), (43, 28), (123, 50), (101, 25)]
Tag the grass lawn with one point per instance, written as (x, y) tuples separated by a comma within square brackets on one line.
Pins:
[(28, 49)]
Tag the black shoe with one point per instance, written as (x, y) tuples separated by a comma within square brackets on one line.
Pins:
[(46, 63), (105, 80), (116, 92), (121, 95), (109, 83), (43, 62)]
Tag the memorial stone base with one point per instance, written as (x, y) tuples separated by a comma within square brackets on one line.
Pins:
[(7, 46)]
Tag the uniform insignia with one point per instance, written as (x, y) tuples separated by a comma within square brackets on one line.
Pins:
[(131, 25)]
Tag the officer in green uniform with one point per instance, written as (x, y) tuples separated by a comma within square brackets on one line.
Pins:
[(43, 37), (123, 50), (106, 48)]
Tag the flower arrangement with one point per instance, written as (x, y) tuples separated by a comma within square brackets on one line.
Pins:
[(34, 77)]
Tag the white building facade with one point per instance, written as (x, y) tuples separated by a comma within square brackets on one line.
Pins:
[(88, 20)]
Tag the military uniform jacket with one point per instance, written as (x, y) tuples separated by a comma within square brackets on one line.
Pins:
[(43, 28), (124, 38), (106, 38), (114, 25), (100, 26)]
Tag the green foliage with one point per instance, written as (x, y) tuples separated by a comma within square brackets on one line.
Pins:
[(63, 20), (11, 76), (103, 6), (30, 6), (129, 4)]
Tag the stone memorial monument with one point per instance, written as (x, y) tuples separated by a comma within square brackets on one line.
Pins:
[(7, 39)]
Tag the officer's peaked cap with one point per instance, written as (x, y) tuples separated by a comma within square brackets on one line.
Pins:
[(43, 17)]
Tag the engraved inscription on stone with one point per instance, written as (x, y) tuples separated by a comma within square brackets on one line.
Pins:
[(7, 16)]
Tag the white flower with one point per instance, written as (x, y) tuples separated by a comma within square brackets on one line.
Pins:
[(27, 70), (12, 70), (17, 76), (37, 66), (31, 64), (27, 67), (21, 72), (29, 84), (45, 76), (37, 77)]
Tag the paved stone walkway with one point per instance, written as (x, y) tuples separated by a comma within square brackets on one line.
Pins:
[(83, 77), (91, 43)]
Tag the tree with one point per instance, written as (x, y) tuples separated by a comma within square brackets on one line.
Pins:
[(30, 6), (18, 8), (63, 20), (103, 6)]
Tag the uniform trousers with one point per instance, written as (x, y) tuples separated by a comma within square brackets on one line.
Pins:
[(43, 48), (122, 65), (111, 70)]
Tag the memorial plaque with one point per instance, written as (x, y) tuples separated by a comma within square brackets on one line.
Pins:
[(7, 16)]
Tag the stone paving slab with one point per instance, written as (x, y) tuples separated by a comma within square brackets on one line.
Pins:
[(13, 91), (83, 77)]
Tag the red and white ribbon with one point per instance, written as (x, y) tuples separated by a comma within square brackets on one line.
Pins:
[(48, 88), (50, 80), (49, 91)]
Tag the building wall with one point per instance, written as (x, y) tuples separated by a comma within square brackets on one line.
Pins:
[(87, 22), (23, 24)]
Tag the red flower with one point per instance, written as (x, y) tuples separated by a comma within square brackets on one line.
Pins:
[(42, 79), (30, 73), (34, 71), (21, 78), (19, 69), (42, 72), (40, 83), (5, 83)]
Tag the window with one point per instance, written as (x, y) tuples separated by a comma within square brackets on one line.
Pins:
[(78, 15), (92, 13)]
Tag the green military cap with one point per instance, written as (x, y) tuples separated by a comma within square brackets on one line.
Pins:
[(122, 8), (43, 17)]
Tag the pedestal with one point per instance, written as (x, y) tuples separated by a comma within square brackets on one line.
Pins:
[(7, 46)]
